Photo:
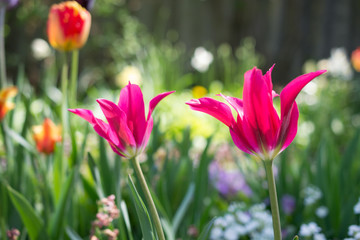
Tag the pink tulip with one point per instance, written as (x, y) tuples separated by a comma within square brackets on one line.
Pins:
[(127, 130), (258, 129)]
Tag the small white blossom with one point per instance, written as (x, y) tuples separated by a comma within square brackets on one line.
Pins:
[(231, 233), (307, 230), (357, 207), (40, 49), (311, 195), (322, 211), (216, 233), (201, 59), (319, 236)]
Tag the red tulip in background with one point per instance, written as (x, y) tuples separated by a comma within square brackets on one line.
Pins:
[(127, 130), (258, 129), (68, 26)]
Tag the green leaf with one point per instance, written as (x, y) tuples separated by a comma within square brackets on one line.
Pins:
[(180, 213), (20, 140), (125, 215), (96, 176), (72, 234), (142, 212), (204, 235), (57, 220), (296, 238), (31, 220)]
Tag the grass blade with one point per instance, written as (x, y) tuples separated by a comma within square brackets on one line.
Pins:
[(31, 220), (142, 212)]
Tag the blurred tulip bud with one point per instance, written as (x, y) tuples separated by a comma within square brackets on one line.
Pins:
[(6, 106), (46, 136), (68, 26)]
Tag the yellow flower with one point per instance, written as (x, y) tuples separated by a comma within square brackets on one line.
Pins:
[(199, 91)]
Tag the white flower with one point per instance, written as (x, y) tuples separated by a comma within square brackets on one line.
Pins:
[(353, 230), (312, 194), (339, 65), (319, 236), (307, 230), (357, 207), (322, 211), (40, 49), (231, 233), (243, 217), (229, 219), (201, 59), (216, 233)]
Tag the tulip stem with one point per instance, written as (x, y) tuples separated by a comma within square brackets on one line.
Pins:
[(153, 212), (2, 47), (74, 77), (273, 199)]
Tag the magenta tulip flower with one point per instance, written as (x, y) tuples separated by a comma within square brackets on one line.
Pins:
[(127, 130), (258, 129)]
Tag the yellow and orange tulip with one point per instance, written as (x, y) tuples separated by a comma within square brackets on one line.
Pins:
[(355, 59), (46, 136), (68, 26), (5, 105)]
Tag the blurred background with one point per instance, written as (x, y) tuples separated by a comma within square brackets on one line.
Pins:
[(281, 32)]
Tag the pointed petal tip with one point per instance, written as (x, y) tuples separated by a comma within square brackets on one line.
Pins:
[(193, 102)]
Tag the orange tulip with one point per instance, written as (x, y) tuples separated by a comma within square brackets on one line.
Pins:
[(46, 136), (68, 26), (355, 59), (6, 106)]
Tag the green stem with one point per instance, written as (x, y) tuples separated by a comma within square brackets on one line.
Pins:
[(74, 77), (153, 212), (2, 48), (273, 199), (64, 102)]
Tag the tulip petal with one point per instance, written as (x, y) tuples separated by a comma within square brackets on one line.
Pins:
[(117, 122), (259, 111), (155, 101), (131, 102), (267, 78), (241, 137), (291, 90), (217, 109), (289, 128), (236, 103), (149, 127), (99, 126)]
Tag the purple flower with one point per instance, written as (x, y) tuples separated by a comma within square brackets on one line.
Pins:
[(8, 3), (225, 176), (88, 4), (288, 204)]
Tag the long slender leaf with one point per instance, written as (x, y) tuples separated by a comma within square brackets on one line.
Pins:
[(31, 220), (204, 235), (57, 220), (72, 234), (142, 212), (125, 214), (180, 213)]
